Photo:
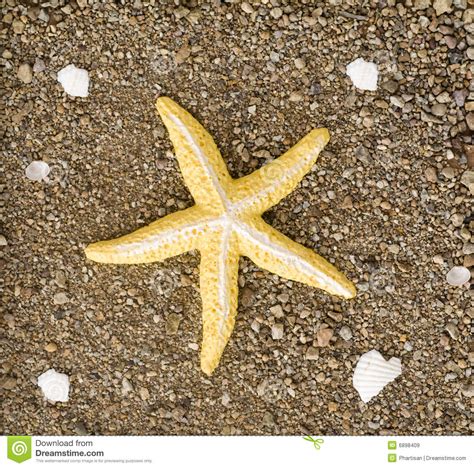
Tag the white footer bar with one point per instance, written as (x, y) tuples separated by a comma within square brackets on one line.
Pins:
[(229, 452)]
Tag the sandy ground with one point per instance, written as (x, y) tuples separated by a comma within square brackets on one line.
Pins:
[(385, 204)]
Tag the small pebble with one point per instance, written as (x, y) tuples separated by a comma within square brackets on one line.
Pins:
[(312, 353), (408, 346), (470, 120), (467, 179), (144, 393), (299, 63), (438, 259), (18, 26), (457, 219), (397, 101), (468, 249), (468, 390), (172, 324), (255, 326), (460, 97), (450, 42), (439, 109), (246, 7), (452, 329), (60, 298), (60, 279), (225, 400), (277, 331), (442, 6), (39, 66), (8, 383), (277, 311), (247, 296), (126, 386), (431, 175), (25, 73), (345, 333), (391, 86), (323, 336), (51, 347), (80, 429), (448, 172)]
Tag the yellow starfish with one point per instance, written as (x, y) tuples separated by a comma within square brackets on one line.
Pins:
[(226, 223)]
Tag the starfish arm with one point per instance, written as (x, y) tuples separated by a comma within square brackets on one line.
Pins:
[(200, 161), (219, 292), (169, 236), (265, 187), (272, 251)]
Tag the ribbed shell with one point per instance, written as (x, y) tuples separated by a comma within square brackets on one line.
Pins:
[(373, 372)]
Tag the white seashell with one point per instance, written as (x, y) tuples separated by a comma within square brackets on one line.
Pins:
[(75, 81), (458, 276), (55, 386), (364, 75), (373, 372), (37, 170)]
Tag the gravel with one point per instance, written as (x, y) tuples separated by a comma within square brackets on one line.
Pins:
[(345, 333), (389, 193), (25, 73), (277, 331)]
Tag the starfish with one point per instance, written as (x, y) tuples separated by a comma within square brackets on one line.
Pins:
[(224, 224)]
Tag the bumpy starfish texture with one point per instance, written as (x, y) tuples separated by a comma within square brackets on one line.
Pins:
[(226, 223)]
